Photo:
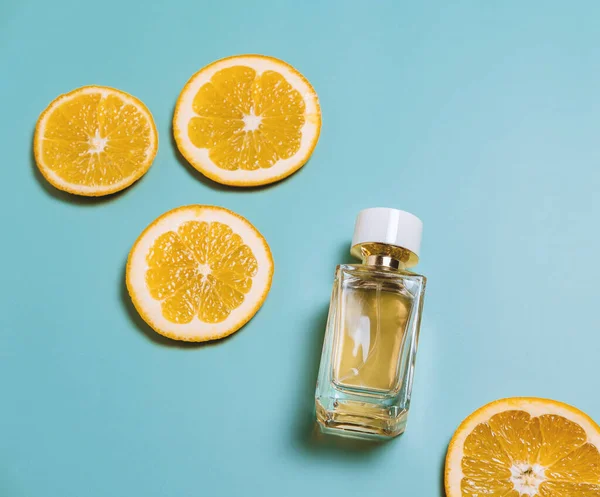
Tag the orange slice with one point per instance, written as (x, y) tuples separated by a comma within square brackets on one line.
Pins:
[(524, 447), (95, 141), (199, 273), (247, 120)]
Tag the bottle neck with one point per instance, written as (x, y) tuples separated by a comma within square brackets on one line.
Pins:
[(384, 255), (383, 261)]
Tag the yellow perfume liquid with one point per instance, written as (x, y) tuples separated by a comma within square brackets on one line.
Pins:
[(373, 329), (367, 364)]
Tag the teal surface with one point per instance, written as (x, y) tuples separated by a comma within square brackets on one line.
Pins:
[(483, 118)]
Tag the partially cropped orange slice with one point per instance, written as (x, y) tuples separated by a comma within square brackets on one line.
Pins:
[(95, 141), (247, 120), (524, 447), (199, 273)]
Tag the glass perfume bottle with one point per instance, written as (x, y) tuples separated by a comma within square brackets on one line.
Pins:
[(366, 372)]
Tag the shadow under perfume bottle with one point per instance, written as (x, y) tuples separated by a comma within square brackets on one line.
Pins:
[(366, 372)]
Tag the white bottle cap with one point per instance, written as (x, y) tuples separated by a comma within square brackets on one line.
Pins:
[(389, 226)]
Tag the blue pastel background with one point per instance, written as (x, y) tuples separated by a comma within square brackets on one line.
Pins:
[(483, 118)]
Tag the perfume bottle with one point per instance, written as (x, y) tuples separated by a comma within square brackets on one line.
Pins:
[(366, 372)]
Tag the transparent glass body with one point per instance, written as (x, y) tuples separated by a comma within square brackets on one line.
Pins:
[(366, 372)]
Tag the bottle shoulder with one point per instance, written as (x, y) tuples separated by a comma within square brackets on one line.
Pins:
[(362, 270)]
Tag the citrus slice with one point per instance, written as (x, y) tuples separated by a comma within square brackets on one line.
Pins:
[(524, 447), (247, 120), (199, 273), (94, 141)]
